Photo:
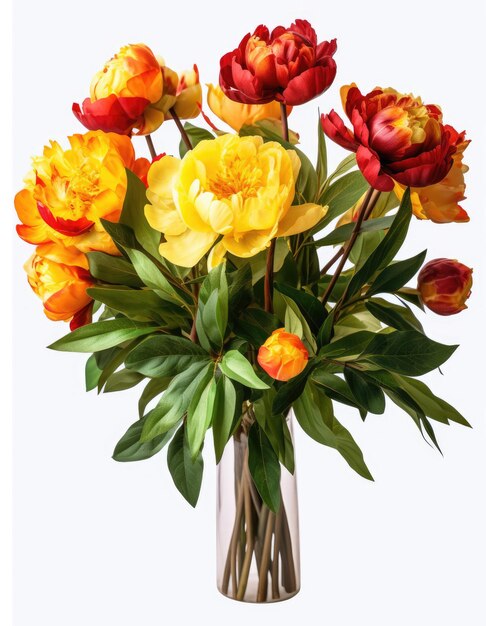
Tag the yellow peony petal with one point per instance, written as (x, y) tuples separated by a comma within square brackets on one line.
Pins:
[(300, 218), (216, 256), (249, 244), (188, 248), (161, 176)]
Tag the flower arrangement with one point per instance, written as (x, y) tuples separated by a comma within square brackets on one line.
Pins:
[(199, 275)]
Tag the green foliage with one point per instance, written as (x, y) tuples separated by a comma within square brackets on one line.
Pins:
[(102, 335), (186, 472), (226, 413), (314, 412), (238, 368), (195, 134), (212, 312), (165, 355), (130, 448), (264, 467)]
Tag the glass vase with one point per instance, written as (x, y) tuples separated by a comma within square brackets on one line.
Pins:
[(258, 558)]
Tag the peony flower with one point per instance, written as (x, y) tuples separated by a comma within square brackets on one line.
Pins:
[(283, 355), (396, 137), (122, 92), (60, 277), (287, 65), (237, 114), (445, 285), (237, 190), (69, 191), (440, 202)]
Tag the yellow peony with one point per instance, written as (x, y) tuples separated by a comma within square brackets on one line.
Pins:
[(236, 191), (69, 191), (237, 114)]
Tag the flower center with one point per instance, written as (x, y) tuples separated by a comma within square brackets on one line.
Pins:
[(238, 176)]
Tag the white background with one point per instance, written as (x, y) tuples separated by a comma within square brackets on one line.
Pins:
[(97, 542)]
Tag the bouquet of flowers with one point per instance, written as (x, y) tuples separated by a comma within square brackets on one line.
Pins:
[(241, 284)]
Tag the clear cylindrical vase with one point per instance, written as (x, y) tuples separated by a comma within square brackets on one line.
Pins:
[(258, 557)]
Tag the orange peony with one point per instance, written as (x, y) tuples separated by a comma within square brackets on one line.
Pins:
[(60, 277), (283, 355), (69, 191)]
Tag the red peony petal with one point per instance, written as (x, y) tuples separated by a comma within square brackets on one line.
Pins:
[(111, 114), (70, 228), (370, 167), (334, 128), (82, 317), (309, 84)]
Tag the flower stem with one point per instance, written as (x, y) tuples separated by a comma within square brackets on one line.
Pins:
[(364, 212), (268, 283), (151, 147), (331, 262), (178, 123), (285, 121)]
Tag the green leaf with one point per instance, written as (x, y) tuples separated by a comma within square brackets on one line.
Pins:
[(212, 312), (92, 373), (344, 232), (195, 134), (412, 296), (337, 389), (237, 367), (122, 235), (200, 414), (397, 275), (344, 166), (321, 166), (315, 415), (406, 352), (226, 414), (113, 269), (294, 321), (130, 448), (387, 249), (393, 315), (341, 196), (165, 355), (276, 429), (133, 214), (118, 355), (264, 467), (364, 246), (369, 396), (139, 304), (348, 347), (310, 307), (255, 326), (175, 401), (152, 389), (186, 472), (291, 390), (101, 335), (124, 379), (153, 277), (433, 406)]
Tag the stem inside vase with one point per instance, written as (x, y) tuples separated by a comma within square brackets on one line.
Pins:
[(258, 550)]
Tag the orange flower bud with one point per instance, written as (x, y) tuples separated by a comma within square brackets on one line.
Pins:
[(445, 285), (182, 93), (283, 355), (60, 277)]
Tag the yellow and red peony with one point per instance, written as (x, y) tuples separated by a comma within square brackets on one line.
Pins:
[(235, 192), (445, 285), (60, 277), (69, 191), (283, 355), (440, 202)]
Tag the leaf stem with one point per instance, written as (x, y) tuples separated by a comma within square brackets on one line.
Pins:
[(178, 123), (151, 147), (365, 210)]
